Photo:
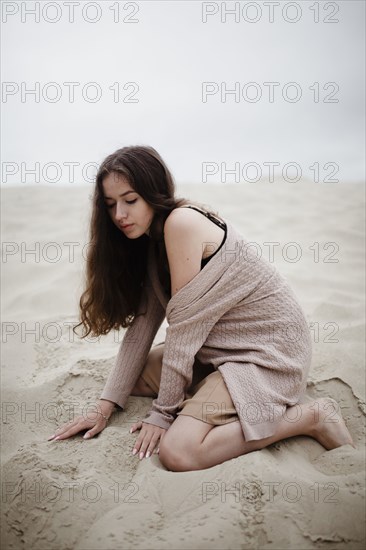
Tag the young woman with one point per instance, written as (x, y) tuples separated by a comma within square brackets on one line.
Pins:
[(230, 377)]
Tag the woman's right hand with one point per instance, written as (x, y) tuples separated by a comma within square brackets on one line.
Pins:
[(92, 419)]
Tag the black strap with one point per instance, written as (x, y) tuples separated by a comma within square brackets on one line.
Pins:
[(210, 216)]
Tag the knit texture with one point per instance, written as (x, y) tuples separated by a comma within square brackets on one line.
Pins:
[(238, 314)]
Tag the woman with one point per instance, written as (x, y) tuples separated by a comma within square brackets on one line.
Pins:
[(230, 377)]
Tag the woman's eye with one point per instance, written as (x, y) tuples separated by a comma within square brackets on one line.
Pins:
[(112, 205)]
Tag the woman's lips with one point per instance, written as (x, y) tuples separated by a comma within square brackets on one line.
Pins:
[(127, 226)]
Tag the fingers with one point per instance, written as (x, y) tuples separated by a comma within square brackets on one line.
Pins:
[(75, 426), (94, 431), (63, 429), (146, 443), (66, 432), (135, 427)]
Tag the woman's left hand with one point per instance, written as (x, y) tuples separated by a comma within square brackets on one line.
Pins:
[(149, 438)]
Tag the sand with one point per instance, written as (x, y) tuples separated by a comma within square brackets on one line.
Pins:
[(78, 494)]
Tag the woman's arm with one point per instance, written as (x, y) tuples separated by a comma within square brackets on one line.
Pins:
[(130, 362), (183, 241), (134, 350)]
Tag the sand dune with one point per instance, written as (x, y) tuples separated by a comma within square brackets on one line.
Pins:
[(78, 494)]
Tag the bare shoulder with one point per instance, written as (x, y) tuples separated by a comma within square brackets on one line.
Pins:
[(184, 230), (186, 224), (183, 215)]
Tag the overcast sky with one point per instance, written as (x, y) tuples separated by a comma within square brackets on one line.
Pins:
[(171, 63)]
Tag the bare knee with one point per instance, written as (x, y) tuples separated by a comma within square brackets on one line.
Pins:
[(142, 389), (178, 459), (155, 355)]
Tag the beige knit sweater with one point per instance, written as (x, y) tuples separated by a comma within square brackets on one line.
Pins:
[(238, 314)]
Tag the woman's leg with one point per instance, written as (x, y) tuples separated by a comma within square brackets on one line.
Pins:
[(142, 389), (153, 366), (148, 383), (191, 444)]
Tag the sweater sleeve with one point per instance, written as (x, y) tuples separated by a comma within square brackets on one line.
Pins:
[(134, 349), (183, 340)]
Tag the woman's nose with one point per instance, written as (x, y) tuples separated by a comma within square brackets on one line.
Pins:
[(120, 214)]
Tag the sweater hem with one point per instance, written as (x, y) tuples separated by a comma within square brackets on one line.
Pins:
[(157, 420), (114, 398)]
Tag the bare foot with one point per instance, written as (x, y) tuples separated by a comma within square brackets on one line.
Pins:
[(328, 426)]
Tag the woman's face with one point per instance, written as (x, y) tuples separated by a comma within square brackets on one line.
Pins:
[(126, 207)]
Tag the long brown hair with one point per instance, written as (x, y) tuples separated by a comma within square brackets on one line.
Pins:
[(116, 266)]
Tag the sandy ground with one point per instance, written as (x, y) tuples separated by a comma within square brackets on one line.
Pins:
[(79, 494)]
